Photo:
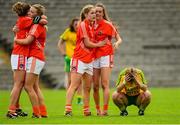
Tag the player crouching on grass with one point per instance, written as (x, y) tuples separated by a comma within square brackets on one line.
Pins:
[(131, 90)]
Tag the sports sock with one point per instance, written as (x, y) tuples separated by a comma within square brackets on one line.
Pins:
[(43, 110), (105, 108), (68, 108), (36, 110), (98, 109), (12, 108), (86, 109)]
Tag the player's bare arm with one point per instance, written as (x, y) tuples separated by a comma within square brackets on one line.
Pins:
[(90, 44), (118, 41), (26, 41), (143, 87), (120, 87), (61, 47)]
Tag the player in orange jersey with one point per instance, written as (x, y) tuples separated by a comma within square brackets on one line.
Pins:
[(36, 61), (66, 46), (82, 61), (103, 63), (19, 55), (19, 58)]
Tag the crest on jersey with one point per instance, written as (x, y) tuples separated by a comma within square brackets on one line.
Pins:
[(100, 33)]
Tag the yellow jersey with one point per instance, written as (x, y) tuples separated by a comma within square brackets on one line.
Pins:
[(70, 39), (131, 88)]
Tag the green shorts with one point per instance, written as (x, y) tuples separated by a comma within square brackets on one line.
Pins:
[(67, 61), (132, 99)]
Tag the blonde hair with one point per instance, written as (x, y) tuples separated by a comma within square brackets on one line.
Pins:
[(40, 9), (85, 10), (21, 8), (106, 17)]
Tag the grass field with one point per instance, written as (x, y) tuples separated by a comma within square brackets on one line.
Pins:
[(164, 109)]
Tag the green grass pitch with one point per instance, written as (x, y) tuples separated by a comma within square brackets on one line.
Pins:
[(164, 109)]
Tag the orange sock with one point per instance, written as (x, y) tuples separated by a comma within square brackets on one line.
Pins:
[(105, 107), (36, 110), (12, 108), (86, 111), (86, 108), (98, 108), (68, 108), (43, 110)]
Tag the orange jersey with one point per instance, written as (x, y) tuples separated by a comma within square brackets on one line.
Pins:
[(82, 52), (23, 24), (38, 45), (104, 31)]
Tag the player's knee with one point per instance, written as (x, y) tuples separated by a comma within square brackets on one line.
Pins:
[(19, 83), (117, 96), (28, 88), (121, 96), (114, 95), (105, 82), (147, 95), (17, 88), (105, 86), (96, 88), (87, 88), (144, 97)]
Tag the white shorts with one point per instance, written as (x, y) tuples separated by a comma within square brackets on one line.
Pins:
[(104, 61), (81, 67), (18, 62), (34, 65)]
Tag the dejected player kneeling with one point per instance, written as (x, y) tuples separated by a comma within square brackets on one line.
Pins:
[(131, 90)]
